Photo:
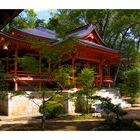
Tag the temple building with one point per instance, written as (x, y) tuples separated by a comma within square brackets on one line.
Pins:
[(89, 51)]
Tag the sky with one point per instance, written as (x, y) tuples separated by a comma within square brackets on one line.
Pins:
[(44, 14)]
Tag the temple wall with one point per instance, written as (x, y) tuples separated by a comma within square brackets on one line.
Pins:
[(3, 103), (22, 105)]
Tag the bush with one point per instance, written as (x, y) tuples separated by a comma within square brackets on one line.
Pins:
[(51, 109), (133, 82), (109, 107), (81, 105), (62, 75), (123, 89)]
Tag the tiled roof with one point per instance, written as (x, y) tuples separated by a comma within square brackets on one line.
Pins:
[(92, 44), (82, 31), (41, 32)]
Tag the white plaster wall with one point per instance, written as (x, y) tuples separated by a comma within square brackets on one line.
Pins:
[(22, 105)]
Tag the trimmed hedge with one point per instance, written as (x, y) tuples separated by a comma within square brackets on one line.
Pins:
[(51, 109)]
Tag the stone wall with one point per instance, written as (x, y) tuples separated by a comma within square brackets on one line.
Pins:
[(22, 105), (3, 103), (19, 105)]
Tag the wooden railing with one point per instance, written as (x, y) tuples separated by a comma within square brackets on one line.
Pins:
[(21, 75)]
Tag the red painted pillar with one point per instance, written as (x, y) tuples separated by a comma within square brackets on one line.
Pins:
[(7, 68), (101, 73), (97, 78), (108, 69), (73, 73), (108, 73), (15, 69)]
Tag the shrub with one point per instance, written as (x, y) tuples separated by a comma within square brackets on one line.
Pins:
[(133, 82), (51, 109), (62, 75), (109, 107), (123, 89), (81, 105), (85, 79)]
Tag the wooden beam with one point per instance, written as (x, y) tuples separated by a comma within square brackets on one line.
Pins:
[(92, 50), (88, 58)]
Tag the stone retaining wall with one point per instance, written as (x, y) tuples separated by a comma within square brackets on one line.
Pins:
[(22, 105), (3, 103)]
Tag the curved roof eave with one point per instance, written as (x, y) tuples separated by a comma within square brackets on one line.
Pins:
[(37, 33), (83, 32), (92, 44)]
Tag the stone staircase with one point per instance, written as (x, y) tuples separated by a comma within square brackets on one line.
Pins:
[(114, 95)]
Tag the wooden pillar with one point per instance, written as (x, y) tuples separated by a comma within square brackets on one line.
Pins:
[(108, 72), (7, 62), (97, 79), (108, 69), (15, 69), (101, 73), (73, 73), (40, 70), (7, 68), (49, 66), (16, 85)]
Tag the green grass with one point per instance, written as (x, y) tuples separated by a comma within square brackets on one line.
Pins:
[(83, 117)]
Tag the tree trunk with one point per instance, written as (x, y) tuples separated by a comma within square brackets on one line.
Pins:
[(87, 110), (115, 77)]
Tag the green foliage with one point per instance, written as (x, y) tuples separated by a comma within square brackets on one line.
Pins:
[(86, 78), (81, 105), (133, 82), (62, 75), (3, 95), (118, 28), (109, 107), (29, 64), (16, 93), (83, 117), (60, 97), (26, 19), (2, 85), (52, 109), (123, 89)]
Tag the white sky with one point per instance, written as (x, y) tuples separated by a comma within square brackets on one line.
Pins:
[(43, 14)]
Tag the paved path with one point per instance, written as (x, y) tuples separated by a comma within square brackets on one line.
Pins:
[(133, 113)]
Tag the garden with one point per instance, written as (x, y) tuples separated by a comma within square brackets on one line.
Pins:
[(121, 30)]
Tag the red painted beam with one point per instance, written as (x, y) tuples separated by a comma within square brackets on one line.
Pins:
[(88, 59), (96, 51)]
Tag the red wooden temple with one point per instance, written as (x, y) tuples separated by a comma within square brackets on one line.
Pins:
[(91, 51)]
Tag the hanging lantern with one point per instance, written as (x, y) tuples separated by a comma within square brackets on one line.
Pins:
[(5, 46)]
